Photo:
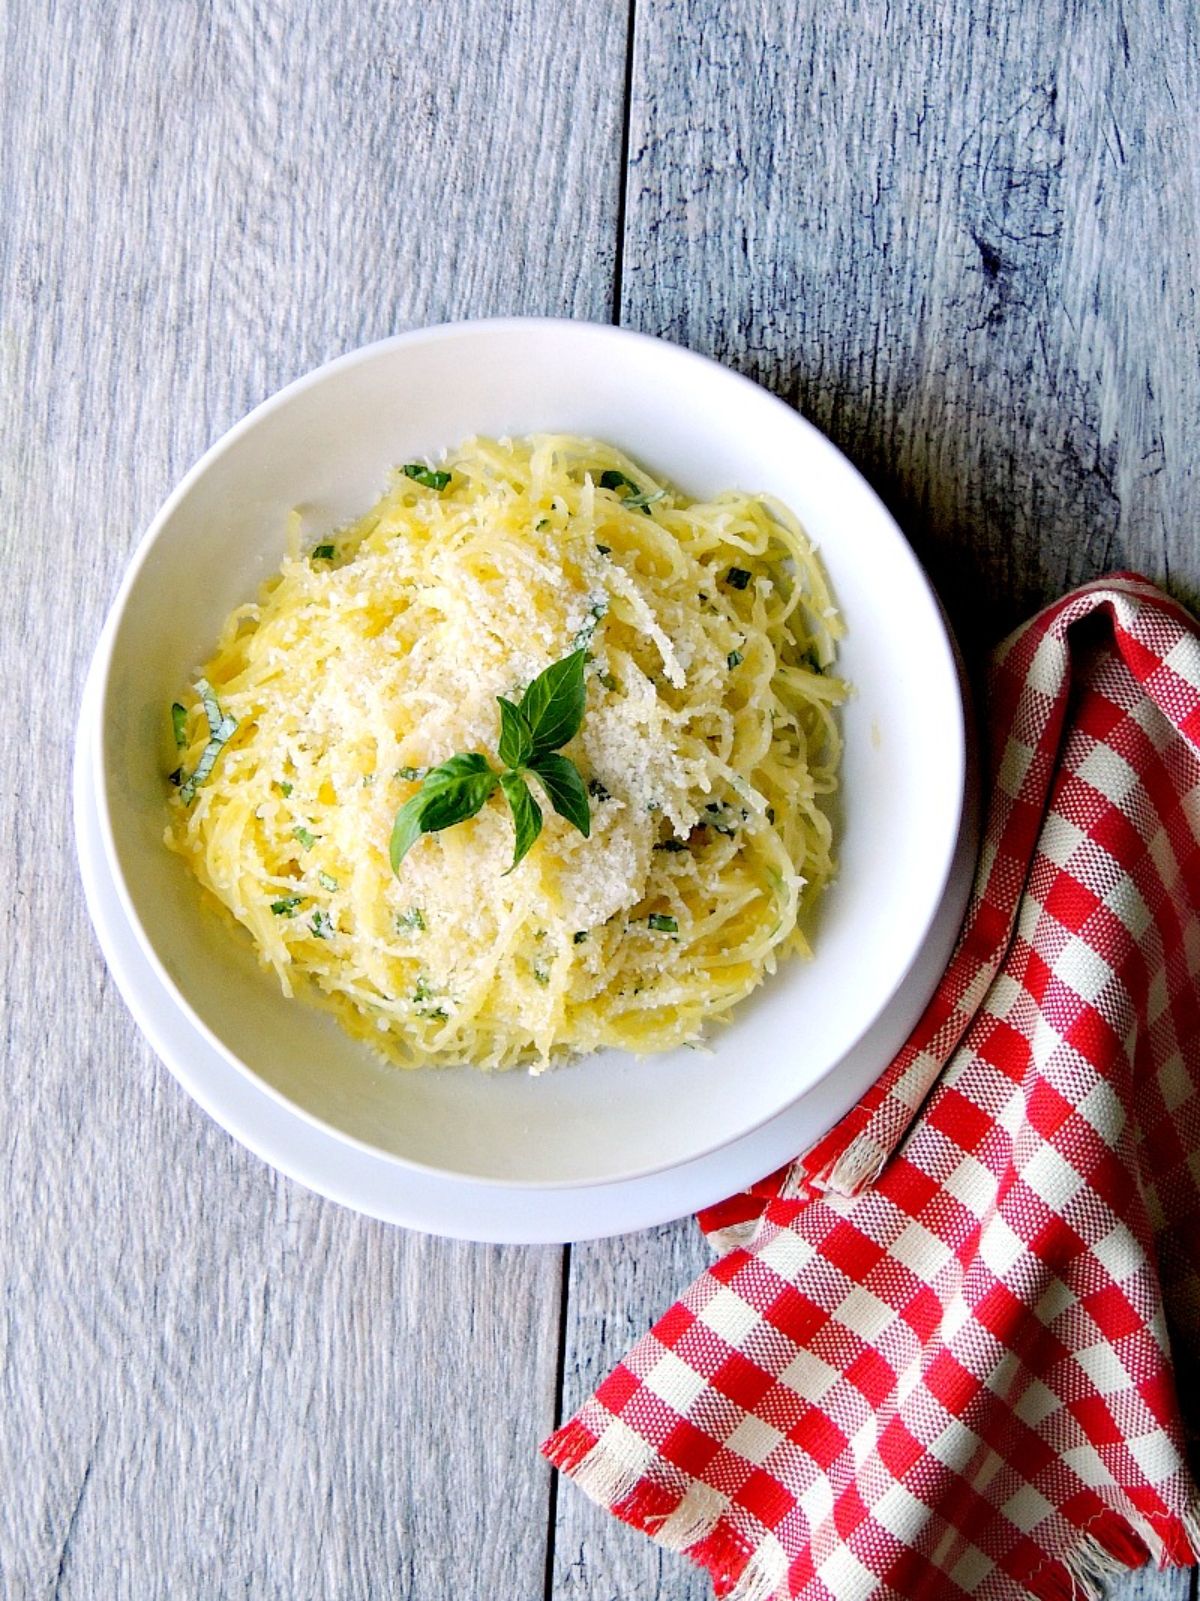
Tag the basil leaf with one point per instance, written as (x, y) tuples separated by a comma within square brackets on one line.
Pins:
[(305, 836), (516, 741), (638, 498), (221, 735), (286, 905), (449, 794), (179, 724), (323, 552), (553, 703), (527, 814), (212, 709), (427, 477), (662, 924), (564, 789)]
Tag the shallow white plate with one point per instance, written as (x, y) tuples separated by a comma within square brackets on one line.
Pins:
[(398, 1192), (326, 445)]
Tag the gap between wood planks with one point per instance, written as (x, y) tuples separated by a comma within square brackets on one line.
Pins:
[(564, 1292)]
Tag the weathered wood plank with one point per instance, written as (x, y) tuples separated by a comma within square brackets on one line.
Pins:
[(617, 1288), (211, 1382), (954, 234)]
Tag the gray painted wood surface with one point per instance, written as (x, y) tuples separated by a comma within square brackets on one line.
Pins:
[(961, 236)]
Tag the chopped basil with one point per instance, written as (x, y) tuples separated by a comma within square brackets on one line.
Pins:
[(321, 924), (221, 730), (179, 724), (421, 996), (597, 790), (637, 498), (722, 818), (607, 680), (662, 924), (413, 920), (411, 774), (324, 552), (599, 609), (327, 881), (284, 788), (212, 709), (286, 905), (302, 834), (737, 578), (580, 936), (734, 659), (427, 477)]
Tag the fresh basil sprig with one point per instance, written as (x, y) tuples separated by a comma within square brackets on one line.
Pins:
[(531, 734), (448, 794)]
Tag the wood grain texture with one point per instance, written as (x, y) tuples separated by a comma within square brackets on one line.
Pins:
[(959, 236), (616, 1290), (955, 232), (213, 1384)]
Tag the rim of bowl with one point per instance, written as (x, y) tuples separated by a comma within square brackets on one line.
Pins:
[(447, 332)]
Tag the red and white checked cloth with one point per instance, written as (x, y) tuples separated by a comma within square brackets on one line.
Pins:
[(939, 1364)]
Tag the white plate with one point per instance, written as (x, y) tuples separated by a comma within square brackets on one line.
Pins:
[(326, 445), (398, 1192)]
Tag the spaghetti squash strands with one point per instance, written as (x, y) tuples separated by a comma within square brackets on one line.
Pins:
[(709, 747)]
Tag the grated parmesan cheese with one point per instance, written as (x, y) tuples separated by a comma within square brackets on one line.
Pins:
[(708, 744)]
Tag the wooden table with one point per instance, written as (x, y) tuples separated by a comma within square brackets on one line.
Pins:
[(960, 235)]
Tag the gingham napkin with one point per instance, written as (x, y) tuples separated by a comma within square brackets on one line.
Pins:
[(939, 1361)]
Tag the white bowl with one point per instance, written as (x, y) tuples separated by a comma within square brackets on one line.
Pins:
[(325, 445)]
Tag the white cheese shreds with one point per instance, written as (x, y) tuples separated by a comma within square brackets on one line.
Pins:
[(708, 743)]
